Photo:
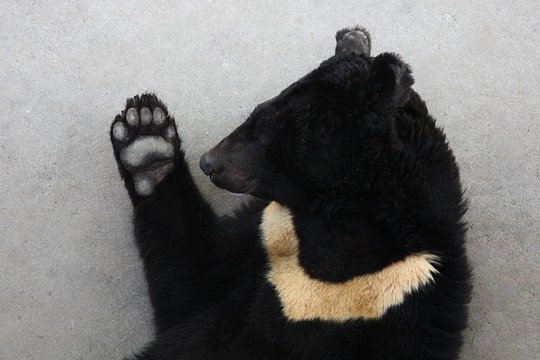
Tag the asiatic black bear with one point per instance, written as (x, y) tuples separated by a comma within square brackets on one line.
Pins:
[(353, 247)]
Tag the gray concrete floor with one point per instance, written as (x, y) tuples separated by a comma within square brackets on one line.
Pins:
[(71, 284)]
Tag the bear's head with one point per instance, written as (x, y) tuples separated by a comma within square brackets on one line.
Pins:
[(317, 142)]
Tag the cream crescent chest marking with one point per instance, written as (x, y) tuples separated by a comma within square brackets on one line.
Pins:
[(363, 297)]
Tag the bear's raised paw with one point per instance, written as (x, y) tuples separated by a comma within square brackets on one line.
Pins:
[(145, 142)]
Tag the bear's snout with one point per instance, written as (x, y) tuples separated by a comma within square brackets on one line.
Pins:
[(233, 165)]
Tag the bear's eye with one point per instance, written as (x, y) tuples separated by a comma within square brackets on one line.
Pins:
[(263, 138)]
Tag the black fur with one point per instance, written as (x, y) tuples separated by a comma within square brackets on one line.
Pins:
[(370, 179)]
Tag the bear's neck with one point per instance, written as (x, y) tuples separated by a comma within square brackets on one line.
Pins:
[(333, 249), (312, 282)]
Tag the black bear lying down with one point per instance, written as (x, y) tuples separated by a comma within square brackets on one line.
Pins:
[(354, 248)]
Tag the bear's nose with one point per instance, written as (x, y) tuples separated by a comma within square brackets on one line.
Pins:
[(207, 164)]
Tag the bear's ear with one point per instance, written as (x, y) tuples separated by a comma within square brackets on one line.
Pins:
[(389, 82)]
